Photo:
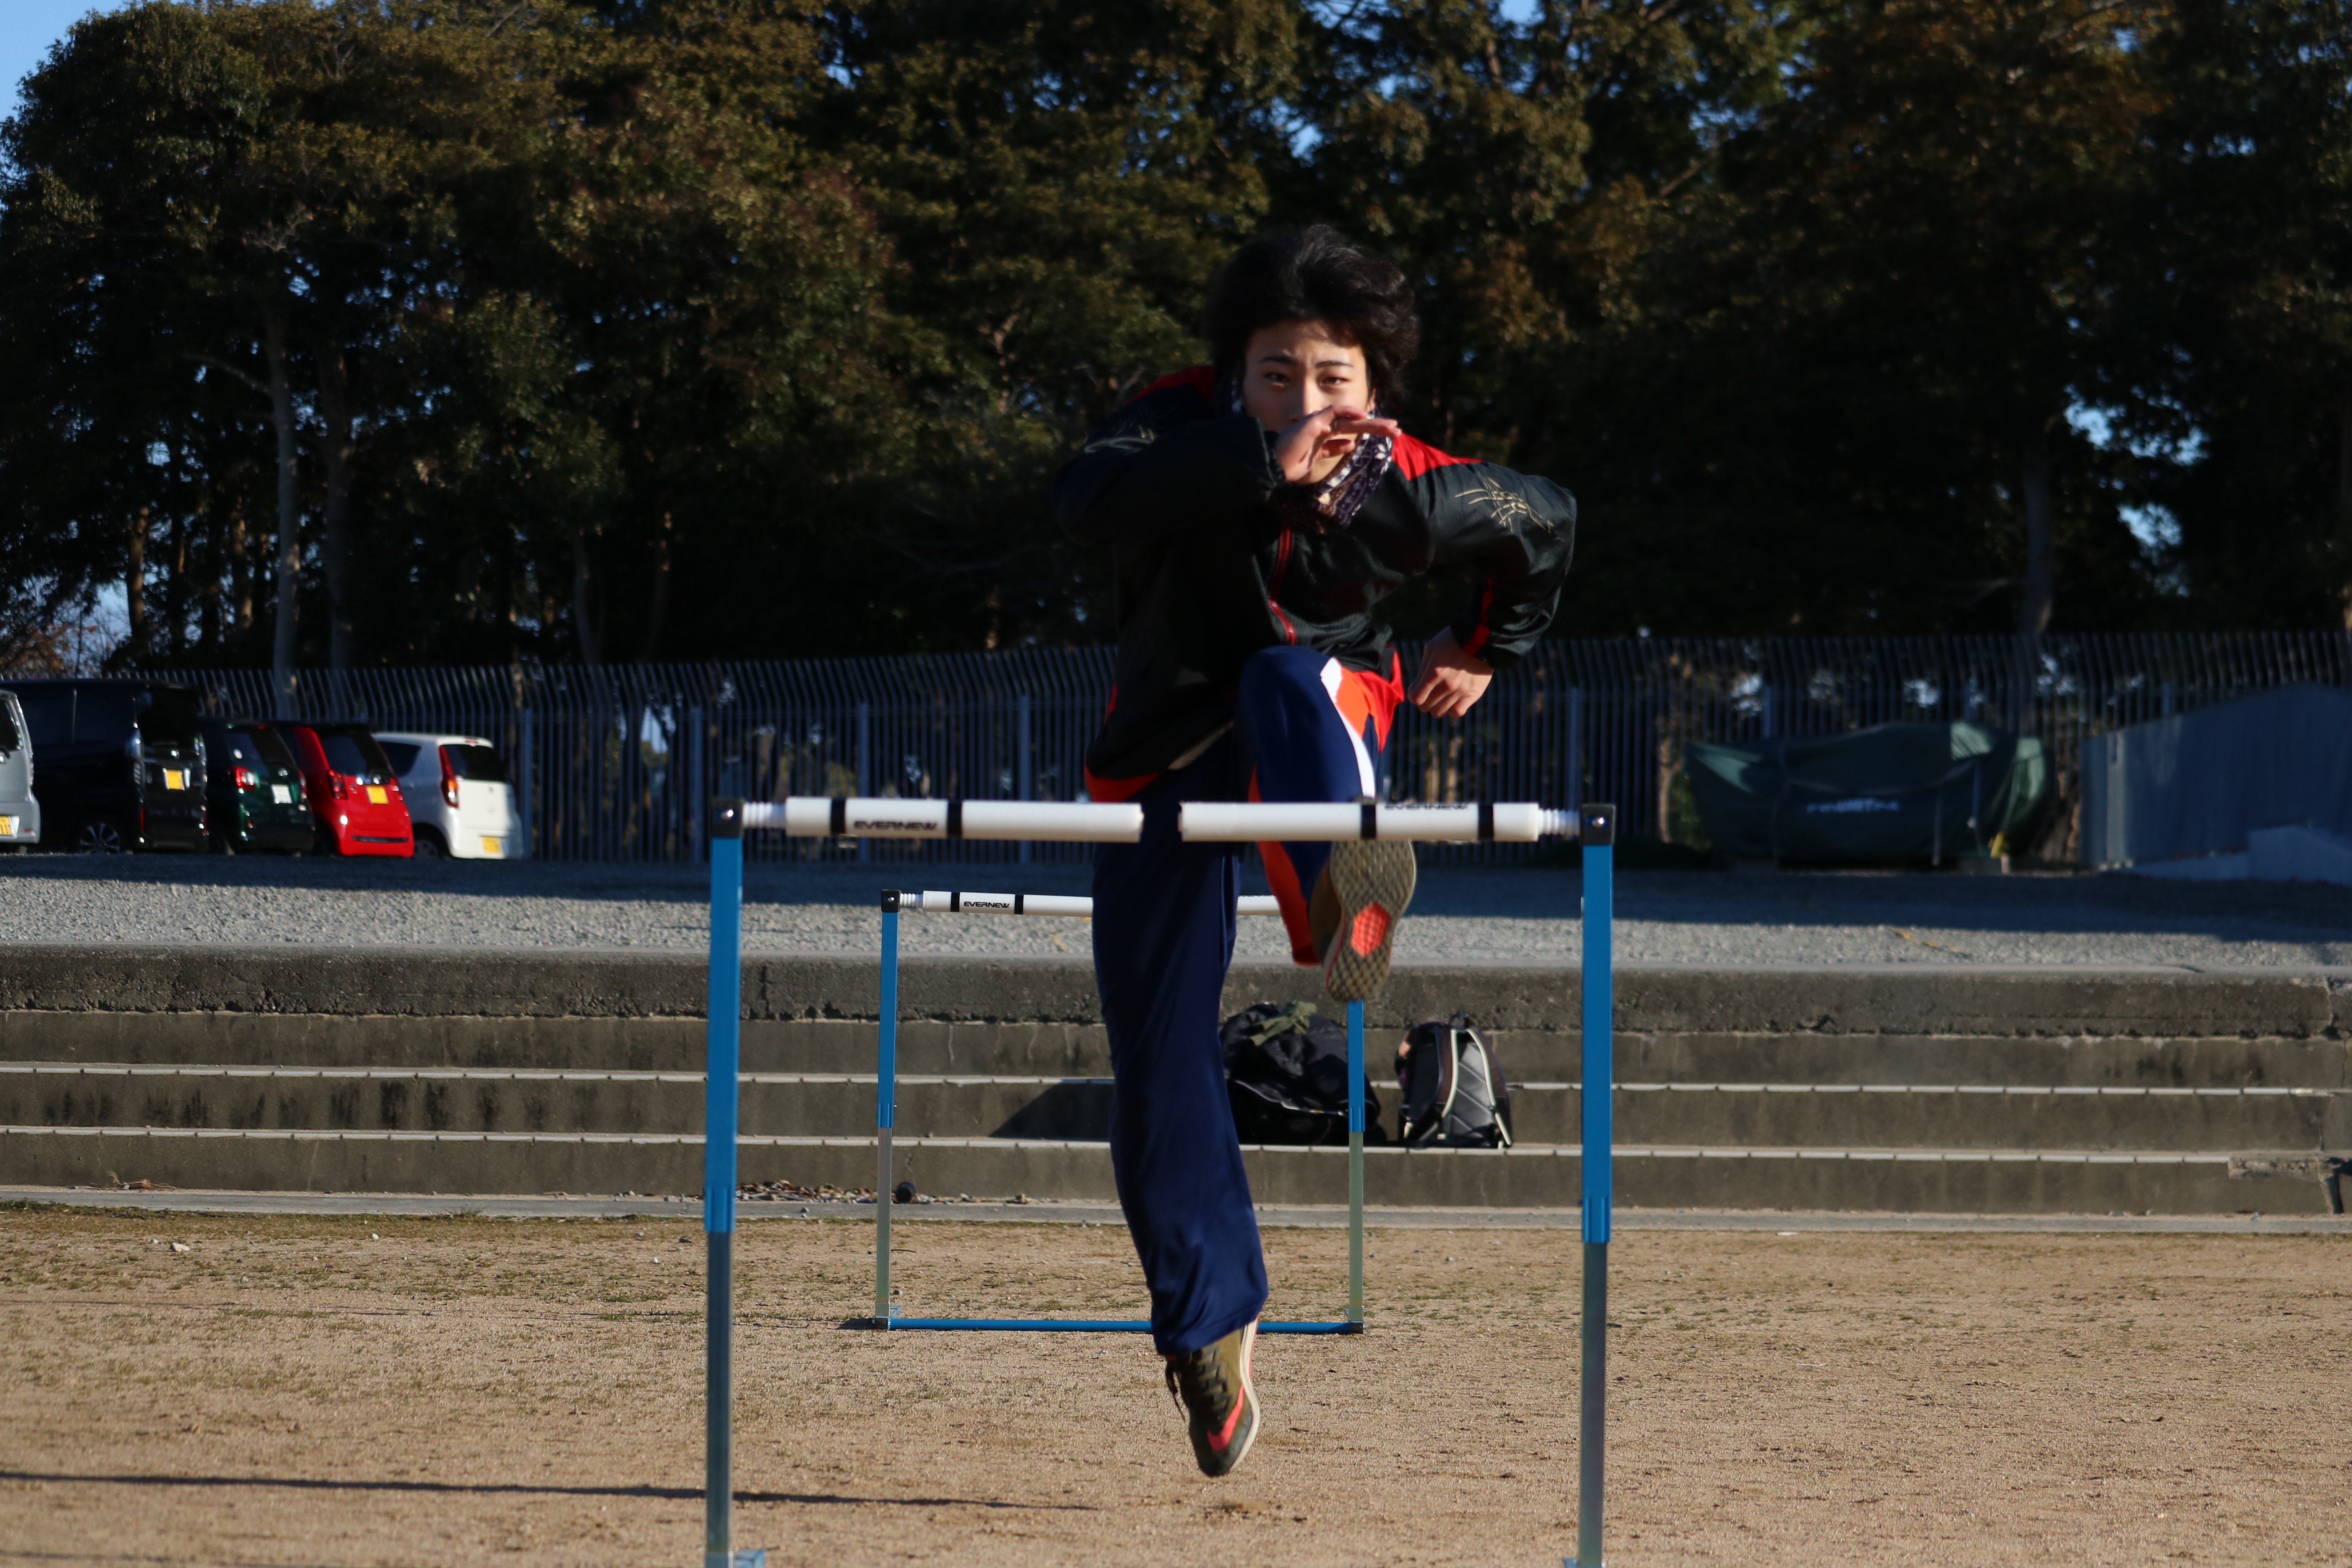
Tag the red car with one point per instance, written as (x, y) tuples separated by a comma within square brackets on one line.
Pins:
[(353, 796)]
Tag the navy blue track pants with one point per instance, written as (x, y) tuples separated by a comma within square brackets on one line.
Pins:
[(1304, 730)]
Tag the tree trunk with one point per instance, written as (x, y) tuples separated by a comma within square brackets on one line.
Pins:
[(335, 457), (240, 572), (175, 592), (214, 620), (134, 584), (2034, 606), (289, 518), (2343, 504), (657, 611), (583, 594)]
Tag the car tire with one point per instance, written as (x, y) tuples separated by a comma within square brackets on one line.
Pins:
[(223, 844), (100, 836), (429, 846)]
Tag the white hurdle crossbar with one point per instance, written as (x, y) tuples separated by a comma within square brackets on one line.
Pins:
[(932, 902), (1103, 823)]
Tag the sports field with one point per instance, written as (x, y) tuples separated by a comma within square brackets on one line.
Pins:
[(402, 1391)]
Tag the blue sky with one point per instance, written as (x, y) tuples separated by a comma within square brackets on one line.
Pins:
[(27, 28)]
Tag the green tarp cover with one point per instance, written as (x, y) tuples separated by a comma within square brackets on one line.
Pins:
[(1895, 792)]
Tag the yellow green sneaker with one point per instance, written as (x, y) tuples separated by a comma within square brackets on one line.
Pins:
[(1212, 1386)]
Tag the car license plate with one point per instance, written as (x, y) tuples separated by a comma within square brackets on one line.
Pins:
[(377, 797), (174, 778), (8, 829), (282, 794), (491, 846)]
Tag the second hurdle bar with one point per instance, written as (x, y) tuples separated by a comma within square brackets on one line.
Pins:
[(886, 1115)]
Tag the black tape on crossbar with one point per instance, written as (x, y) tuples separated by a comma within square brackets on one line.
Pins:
[(955, 819), (1018, 901), (955, 903), (1371, 827), (840, 823), (1486, 822)]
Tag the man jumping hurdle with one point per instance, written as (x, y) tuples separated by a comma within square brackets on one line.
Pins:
[(1258, 507)]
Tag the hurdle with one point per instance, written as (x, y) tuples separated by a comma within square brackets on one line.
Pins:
[(1100, 821), (885, 1111)]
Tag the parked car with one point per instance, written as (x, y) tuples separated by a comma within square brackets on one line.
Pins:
[(354, 798), (253, 796), (459, 801), (121, 764), (20, 814)]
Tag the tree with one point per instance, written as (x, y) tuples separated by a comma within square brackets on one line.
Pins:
[(1056, 184), (2237, 373), (1852, 362), (116, 179)]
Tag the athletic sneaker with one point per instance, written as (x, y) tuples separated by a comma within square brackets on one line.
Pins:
[(1212, 1385), (1359, 901)]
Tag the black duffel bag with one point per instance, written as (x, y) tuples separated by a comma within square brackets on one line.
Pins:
[(1286, 1075)]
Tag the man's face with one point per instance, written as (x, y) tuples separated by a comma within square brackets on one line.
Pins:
[(1293, 369)]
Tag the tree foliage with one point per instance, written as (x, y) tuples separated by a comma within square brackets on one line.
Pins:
[(653, 329)]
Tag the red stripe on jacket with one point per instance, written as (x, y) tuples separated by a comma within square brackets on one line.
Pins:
[(1414, 458), (1479, 637), (1199, 377)]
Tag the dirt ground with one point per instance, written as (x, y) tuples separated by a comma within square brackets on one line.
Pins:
[(353, 1390)]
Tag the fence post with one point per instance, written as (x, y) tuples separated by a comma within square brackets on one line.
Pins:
[(1575, 748), (696, 785), (865, 780), (525, 770), (1024, 763)]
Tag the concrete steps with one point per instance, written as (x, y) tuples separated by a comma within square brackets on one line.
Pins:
[(2161, 1059), (1528, 1176), (1793, 1115), (1900, 1087)]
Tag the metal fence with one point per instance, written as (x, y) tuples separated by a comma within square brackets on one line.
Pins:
[(613, 762)]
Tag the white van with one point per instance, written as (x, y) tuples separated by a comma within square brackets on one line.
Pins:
[(459, 802), (20, 814)]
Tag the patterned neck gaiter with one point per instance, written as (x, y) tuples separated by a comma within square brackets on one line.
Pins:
[(1343, 494)]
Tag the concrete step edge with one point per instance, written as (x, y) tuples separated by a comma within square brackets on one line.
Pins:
[(552, 1075), (1522, 1152)]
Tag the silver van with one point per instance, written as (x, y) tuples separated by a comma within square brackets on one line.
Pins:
[(20, 814)]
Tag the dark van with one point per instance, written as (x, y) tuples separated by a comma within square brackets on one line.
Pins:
[(120, 763)]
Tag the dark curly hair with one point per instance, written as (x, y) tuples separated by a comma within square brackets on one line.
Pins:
[(1313, 275)]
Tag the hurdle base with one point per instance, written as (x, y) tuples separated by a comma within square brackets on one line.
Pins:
[(1078, 1325)]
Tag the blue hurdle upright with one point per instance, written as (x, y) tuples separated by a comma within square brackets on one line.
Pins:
[(1217, 822)]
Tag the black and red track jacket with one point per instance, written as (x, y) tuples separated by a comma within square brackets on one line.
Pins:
[(1217, 555)]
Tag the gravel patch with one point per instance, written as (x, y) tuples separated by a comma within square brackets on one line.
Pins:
[(1505, 915)]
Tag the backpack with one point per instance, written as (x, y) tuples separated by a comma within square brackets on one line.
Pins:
[(1455, 1096), (1286, 1077)]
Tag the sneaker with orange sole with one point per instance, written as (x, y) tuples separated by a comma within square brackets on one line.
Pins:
[(1360, 901)]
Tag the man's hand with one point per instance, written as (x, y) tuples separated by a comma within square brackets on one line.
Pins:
[(1451, 681), (1322, 438)]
